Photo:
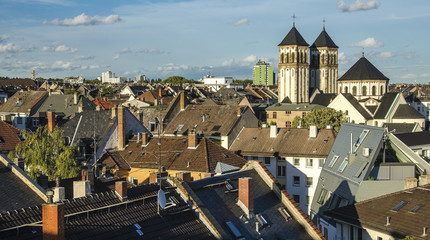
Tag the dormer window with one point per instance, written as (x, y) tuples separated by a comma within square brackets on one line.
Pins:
[(360, 140)]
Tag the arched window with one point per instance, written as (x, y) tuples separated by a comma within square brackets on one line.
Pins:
[(364, 90), (292, 56), (373, 90), (382, 90), (354, 90), (306, 57), (301, 57), (288, 58), (282, 58), (282, 72), (346, 112), (376, 123), (346, 90), (292, 73), (322, 58)]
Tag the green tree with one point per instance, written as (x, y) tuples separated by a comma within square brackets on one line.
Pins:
[(176, 80), (321, 118), (108, 90), (46, 153)]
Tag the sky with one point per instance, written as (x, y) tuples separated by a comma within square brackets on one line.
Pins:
[(194, 38)]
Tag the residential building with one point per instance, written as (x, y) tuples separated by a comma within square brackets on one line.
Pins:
[(10, 136), (74, 80), (263, 74), (283, 114), (398, 215), (216, 83), (419, 142), (18, 111), (294, 156), (109, 77)]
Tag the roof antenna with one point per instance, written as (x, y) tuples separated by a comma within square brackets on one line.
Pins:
[(362, 53), (323, 24), (294, 20)]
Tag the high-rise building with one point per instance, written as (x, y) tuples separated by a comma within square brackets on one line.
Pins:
[(263, 74)]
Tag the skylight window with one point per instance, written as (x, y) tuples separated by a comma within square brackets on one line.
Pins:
[(179, 128), (333, 160), (360, 140), (400, 205), (343, 165), (415, 209)]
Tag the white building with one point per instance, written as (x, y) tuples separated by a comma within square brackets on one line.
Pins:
[(109, 77), (216, 83)]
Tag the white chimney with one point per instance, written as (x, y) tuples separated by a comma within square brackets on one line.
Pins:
[(366, 152), (81, 189), (273, 131), (313, 131)]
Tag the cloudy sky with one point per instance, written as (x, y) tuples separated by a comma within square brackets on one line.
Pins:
[(193, 38)]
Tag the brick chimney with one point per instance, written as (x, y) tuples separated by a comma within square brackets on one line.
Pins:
[(184, 176), (246, 196), (51, 121), (182, 100), (192, 140), (121, 189), (121, 128), (410, 183), (160, 93), (145, 138), (83, 174), (53, 221)]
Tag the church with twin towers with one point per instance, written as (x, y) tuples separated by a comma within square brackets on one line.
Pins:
[(302, 68)]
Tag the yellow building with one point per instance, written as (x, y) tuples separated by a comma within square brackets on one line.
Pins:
[(283, 114)]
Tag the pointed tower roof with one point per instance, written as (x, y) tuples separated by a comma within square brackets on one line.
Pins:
[(294, 38), (324, 40), (363, 70)]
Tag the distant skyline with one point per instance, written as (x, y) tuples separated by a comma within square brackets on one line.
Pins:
[(193, 38)]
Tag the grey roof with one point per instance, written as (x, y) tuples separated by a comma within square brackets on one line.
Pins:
[(354, 102), (15, 194), (224, 168), (323, 99), (345, 183), (414, 138), (324, 40), (293, 38), (294, 107), (222, 207), (63, 105), (400, 127), (405, 111), (363, 70), (386, 101)]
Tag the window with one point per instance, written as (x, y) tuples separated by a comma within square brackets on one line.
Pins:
[(322, 197), (303, 114), (379, 238), (296, 198), (308, 200), (35, 122), (346, 90), (288, 124), (328, 200), (274, 114), (309, 181), (267, 160), (341, 202), (354, 90), (373, 90), (343, 165), (152, 126), (287, 112), (179, 127), (419, 109), (296, 180), (18, 120), (360, 140), (321, 162), (309, 162), (297, 162), (333, 160), (364, 91), (281, 171)]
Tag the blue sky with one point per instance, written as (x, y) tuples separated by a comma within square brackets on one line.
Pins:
[(193, 38)]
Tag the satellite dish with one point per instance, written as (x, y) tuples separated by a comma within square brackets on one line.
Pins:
[(162, 199)]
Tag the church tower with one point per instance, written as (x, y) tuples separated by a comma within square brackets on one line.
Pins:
[(323, 64), (293, 68)]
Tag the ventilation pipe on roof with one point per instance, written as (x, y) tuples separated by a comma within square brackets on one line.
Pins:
[(273, 131), (388, 221), (313, 131)]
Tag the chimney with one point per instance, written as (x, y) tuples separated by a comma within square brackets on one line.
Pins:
[(145, 139), (59, 194), (113, 112), (98, 108), (121, 128), (182, 100), (81, 189), (410, 183), (19, 162), (388, 221), (273, 131), (329, 127), (153, 177), (239, 112), (53, 221), (160, 92), (184, 176), (246, 196), (156, 102), (424, 180), (51, 121), (192, 140), (18, 100), (80, 108), (75, 98), (83, 174), (121, 189), (313, 131)]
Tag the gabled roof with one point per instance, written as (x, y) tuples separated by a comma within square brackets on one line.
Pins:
[(18, 83), (175, 155), (373, 213), (289, 142), (27, 100), (414, 138), (324, 40), (354, 102), (9, 137), (323, 99), (63, 105), (401, 127), (386, 102), (294, 107), (406, 111), (293, 38), (363, 70), (15, 194)]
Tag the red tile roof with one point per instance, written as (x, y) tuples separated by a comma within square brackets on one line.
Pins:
[(8, 137)]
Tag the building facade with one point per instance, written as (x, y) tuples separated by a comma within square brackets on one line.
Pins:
[(263, 74)]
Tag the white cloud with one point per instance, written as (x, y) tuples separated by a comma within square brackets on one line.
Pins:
[(125, 50), (12, 48), (84, 67), (408, 76), (85, 20), (116, 56), (60, 48), (150, 51), (83, 57), (368, 43), (241, 21), (249, 60), (386, 55), (228, 63), (358, 5), (172, 67)]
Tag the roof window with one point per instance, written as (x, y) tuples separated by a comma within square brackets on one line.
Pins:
[(360, 140), (333, 160), (400, 205)]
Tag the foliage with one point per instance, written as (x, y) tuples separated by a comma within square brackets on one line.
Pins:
[(69, 91), (408, 238), (244, 82), (321, 118), (176, 80), (94, 81), (108, 90), (46, 153)]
